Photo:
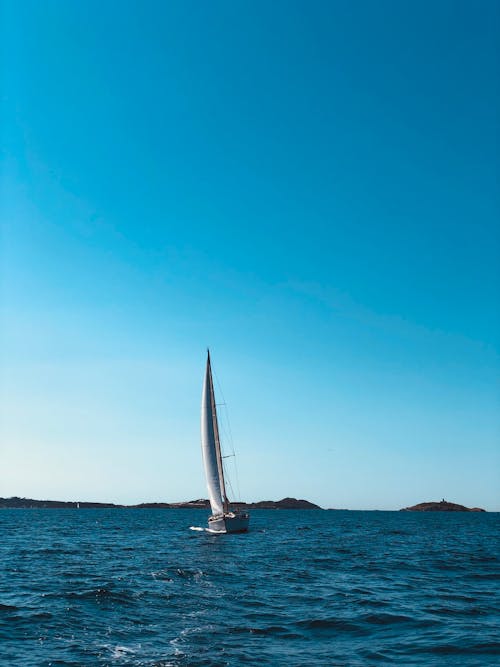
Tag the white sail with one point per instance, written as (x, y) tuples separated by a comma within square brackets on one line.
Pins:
[(210, 446)]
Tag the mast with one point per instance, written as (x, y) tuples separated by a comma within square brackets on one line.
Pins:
[(218, 452)]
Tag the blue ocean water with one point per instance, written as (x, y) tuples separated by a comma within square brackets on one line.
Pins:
[(138, 587)]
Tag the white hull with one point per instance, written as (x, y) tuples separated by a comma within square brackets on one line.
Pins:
[(233, 522)]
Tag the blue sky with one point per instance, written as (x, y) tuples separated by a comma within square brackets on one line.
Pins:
[(308, 188)]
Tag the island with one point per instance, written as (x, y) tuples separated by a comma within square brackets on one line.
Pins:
[(441, 506), (285, 504), (201, 503)]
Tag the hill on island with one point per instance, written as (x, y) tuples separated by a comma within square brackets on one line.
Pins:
[(441, 506)]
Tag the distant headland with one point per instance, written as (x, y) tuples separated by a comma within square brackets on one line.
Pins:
[(441, 506), (202, 503)]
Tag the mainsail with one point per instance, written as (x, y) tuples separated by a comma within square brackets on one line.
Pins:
[(210, 445)]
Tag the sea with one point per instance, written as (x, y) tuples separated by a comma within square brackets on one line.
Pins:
[(151, 587)]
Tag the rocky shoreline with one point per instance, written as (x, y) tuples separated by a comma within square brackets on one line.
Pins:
[(202, 503)]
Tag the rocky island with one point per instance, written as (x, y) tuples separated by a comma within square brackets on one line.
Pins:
[(202, 503), (441, 506)]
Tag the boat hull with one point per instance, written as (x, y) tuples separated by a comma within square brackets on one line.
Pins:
[(233, 522)]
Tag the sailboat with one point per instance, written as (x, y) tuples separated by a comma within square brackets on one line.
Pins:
[(222, 520)]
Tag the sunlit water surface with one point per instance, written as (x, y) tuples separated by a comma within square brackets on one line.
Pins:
[(138, 587)]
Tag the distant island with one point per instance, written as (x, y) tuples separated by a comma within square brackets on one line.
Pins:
[(202, 503), (441, 506)]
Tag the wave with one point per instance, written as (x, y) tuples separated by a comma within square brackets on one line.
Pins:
[(100, 595), (341, 625), (493, 576), (488, 648), (189, 574), (387, 619), (278, 630), (162, 575), (121, 652)]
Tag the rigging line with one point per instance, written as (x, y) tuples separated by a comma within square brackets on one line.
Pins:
[(237, 480), (234, 467), (228, 482), (231, 441), (229, 433), (227, 430), (224, 403)]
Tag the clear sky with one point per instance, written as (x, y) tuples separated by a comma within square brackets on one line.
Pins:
[(310, 189)]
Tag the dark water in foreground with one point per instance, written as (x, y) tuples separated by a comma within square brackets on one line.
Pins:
[(137, 587)]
